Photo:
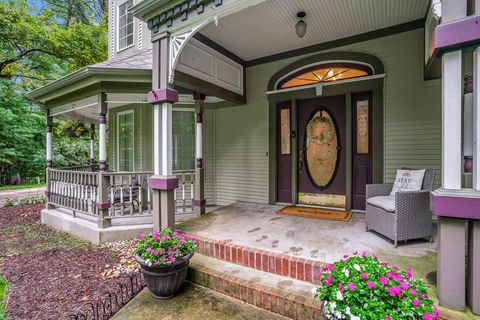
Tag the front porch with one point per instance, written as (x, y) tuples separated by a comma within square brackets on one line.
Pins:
[(127, 202)]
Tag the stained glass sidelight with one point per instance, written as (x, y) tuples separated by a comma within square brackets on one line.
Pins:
[(322, 148), (362, 127), (285, 131)]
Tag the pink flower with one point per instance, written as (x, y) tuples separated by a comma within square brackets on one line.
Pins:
[(163, 259), (390, 274), (141, 235), (387, 318), (327, 280), (364, 254), (162, 250), (398, 277), (415, 303), (413, 292), (155, 252), (404, 285), (330, 267), (408, 272), (164, 237), (342, 261), (355, 252), (172, 258), (395, 268), (384, 264), (363, 275), (427, 316), (435, 311), (175, 233), (422, 296), (383, 281), (340, 287), (351, 286), (370, 285), (148, 249), (345, 256), (392, 292)]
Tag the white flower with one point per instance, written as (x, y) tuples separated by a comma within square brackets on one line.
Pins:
[(338, 314), (357, 267), (346, 273), (347, 311), (333, 305), (354, 317), (314, 290), (339, 296)]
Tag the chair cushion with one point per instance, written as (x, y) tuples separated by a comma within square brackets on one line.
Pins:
[(384, 202), (408, 180)]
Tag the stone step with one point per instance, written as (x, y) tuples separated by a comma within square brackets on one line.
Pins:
[(291, 298), (266, 261)]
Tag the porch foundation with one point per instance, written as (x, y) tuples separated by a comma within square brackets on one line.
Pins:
[(90, 231)]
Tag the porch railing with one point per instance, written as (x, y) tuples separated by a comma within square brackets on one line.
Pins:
[(78, 189)]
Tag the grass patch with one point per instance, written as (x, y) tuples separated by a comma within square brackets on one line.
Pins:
[(3, 297), (23, 186), (36, 237)]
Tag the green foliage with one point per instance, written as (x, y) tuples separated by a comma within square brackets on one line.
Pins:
[(3, 296), (362, 287), (162, 247), (22, 201), (36, 46)]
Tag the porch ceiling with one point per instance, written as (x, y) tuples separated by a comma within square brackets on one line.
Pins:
[(268, 28)]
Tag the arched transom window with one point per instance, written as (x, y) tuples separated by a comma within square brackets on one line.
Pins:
[(326, 72)]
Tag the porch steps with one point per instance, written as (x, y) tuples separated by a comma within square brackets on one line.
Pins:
[(288, 297), (267, 261)]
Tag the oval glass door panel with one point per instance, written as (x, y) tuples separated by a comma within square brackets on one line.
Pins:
[(322, 148)]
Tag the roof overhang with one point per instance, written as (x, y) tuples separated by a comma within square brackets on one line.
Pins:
[(91, 78), (147, 8)]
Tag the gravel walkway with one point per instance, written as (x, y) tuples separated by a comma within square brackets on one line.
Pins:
[(50, 273)]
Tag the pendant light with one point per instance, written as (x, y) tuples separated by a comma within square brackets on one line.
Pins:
[(301, 26)]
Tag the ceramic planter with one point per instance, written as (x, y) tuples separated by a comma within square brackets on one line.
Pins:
[(164, 281)]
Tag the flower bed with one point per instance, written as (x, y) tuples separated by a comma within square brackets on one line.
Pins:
[(362, 287)]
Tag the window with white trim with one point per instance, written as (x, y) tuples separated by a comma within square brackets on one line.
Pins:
[(125, 25), (183, 127), (125, 140)]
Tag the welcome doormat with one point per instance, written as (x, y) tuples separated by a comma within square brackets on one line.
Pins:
[(318, 213)]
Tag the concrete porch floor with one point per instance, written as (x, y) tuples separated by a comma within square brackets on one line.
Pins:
[(259, 226)]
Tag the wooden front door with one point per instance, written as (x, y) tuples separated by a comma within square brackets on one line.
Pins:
[(284, 153), (362, 148), (321, 152)]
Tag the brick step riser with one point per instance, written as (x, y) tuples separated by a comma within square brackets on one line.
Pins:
[(267, 261), (273, 300)]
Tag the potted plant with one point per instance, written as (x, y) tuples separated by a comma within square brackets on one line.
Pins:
[(361, 287), (163, 256), (73, 128)]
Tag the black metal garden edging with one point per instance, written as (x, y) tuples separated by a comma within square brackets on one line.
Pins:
[(111, 301)]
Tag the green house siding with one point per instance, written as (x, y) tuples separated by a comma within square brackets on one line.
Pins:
[(412, 120), (209, 154)]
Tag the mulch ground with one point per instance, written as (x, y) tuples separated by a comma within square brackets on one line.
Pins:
[(50, 273)]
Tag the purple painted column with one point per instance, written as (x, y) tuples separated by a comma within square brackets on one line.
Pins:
[(102, 130), (49, 162), (163, 183), (199, 202), (92, 144)]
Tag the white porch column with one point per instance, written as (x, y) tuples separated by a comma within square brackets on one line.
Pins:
[(476, 119), (162, 96), (92, 144), (452, 96), (199, 202), (102, 130), (49, 126)]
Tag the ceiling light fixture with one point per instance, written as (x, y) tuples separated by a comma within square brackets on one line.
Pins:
[(301, 26)]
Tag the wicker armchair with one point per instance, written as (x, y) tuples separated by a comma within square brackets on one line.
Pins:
[(409, 218)]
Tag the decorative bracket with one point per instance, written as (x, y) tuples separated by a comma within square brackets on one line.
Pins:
[(177, 44)]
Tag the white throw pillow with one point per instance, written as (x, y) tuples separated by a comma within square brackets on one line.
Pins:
[(408, 180)]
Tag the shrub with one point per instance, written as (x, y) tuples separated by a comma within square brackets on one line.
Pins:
[(163, 247), (362, 287)]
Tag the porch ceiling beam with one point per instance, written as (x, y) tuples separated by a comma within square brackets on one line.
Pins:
[(195, 84)]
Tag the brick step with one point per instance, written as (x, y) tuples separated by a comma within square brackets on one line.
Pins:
[(287, 297), (266, 261)]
